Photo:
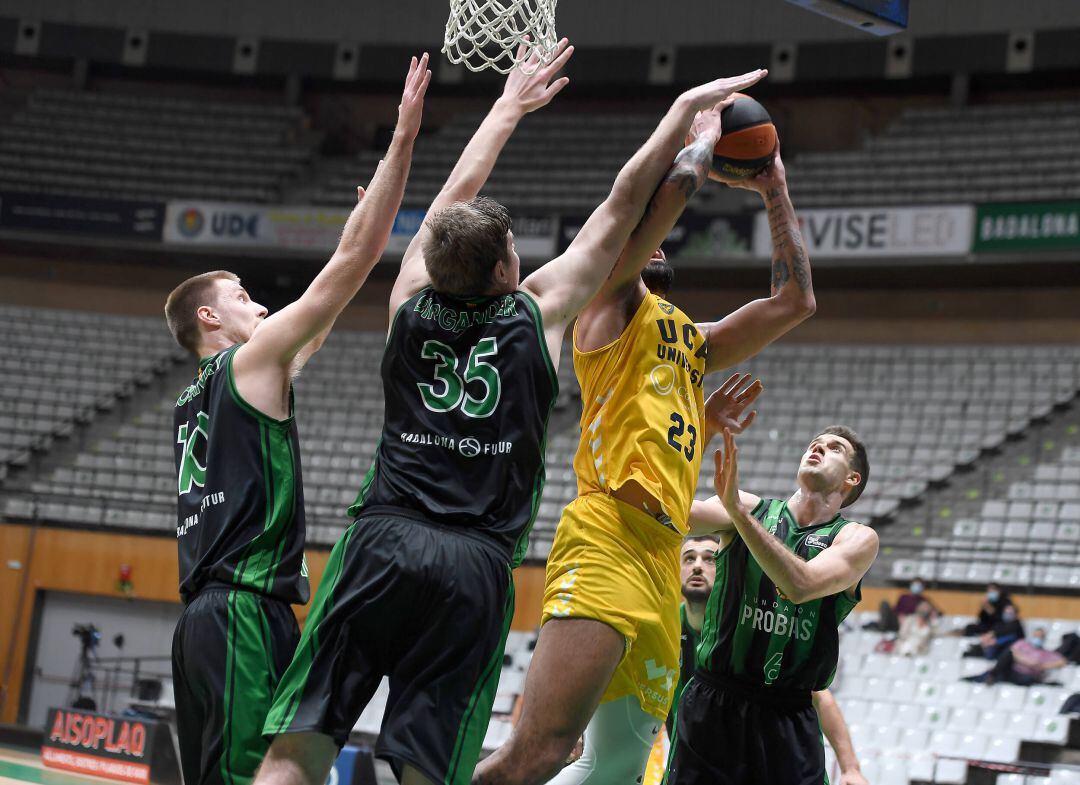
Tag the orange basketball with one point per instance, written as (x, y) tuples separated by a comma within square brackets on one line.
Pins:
[(747, 142)]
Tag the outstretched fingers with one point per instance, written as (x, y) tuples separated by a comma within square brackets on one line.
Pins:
[(560, 57), (743, 81)]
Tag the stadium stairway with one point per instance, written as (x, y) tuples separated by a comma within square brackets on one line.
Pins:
[(950, 523), (38, 491)]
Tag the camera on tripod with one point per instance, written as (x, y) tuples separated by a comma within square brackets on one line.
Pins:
[(88, 635)]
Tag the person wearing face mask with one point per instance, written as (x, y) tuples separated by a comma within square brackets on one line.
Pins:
[(916, 631), (1025, 662), (891, 617), (990, 611), (991, 644)]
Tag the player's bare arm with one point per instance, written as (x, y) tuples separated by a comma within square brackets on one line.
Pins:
[(623, 291), (522, 93), (565, 285), (263, 365), (839, 568), (836, 731), (754, 326), (725, 408)]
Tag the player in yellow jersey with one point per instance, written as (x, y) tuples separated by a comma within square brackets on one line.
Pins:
[(608, 650)]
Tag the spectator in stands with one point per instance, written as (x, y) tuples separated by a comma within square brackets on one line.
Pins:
[(892, 616), (990, 613), (1025, 662), (991, 644), (1070, 647), (916, 631)]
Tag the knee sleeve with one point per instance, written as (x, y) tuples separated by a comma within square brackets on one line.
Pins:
[(618, 740)]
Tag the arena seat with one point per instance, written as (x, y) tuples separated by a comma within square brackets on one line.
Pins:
[(52, 385), (88, 143), (944, 723), (951, 154)]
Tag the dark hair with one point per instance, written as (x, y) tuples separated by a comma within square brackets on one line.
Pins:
[(183, 302), (859, 461), (701, 538), (464, 242), (658, 275)]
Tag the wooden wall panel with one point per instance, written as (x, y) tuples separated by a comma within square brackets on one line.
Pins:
[(88, 562)]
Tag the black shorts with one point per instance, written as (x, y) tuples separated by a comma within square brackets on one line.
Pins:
[(425, 605), (726, 734), (229, 651)]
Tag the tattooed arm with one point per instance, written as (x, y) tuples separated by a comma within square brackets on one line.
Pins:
[(754, 326), (605, 317), (566, 284)]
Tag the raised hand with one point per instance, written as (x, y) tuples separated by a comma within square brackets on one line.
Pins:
[(707, 121), (725, 406), (411, 108), (711, 93), (726, 479), (772, 176), (527, 86)]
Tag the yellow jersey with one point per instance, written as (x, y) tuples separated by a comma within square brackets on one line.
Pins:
[(643, 409)]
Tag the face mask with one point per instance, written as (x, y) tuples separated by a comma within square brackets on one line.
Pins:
[(1038, 643), (1008, 616), (993, 596), (924, 613), (916, 588)]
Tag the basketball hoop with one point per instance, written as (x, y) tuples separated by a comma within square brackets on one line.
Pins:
[(500, 34)]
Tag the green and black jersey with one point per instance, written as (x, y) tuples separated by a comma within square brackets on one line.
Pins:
[(240, 510), (755, 635), (468, 389), (687, 658)]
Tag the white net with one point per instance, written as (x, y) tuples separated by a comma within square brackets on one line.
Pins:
[(500, 34)]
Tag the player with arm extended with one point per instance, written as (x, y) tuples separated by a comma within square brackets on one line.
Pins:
[(787, 574), (612, 577), (240, 510), (419, 588), (698, 566)]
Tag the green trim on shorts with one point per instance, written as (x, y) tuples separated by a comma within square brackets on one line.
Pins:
[(249, 689), (474, 723), (294, 681)]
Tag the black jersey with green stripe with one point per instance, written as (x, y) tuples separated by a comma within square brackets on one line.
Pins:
[(468, 388), (240, 509), (687, 661), (752, 633)]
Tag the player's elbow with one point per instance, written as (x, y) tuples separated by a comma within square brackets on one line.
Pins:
[(800, 590), (798, 304)]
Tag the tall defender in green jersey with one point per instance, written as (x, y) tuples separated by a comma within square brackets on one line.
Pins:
[(240, 507), (787, 574)]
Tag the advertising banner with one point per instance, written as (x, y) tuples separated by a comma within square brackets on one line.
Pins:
[(128, 749), (695, 236), (81, 215), (931, 230), (313, 228), (1029, 226)]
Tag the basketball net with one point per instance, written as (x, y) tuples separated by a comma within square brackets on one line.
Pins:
[(500, 34)]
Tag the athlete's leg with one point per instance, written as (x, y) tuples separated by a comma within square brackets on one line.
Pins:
[(570, 669), (618, 741), (298, 759)]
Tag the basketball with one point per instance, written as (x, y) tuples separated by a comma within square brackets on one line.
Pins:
[(747, 143)]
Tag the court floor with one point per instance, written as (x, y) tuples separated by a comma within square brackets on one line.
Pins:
[(18, 765)]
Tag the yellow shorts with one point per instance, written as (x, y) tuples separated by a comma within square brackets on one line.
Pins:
[(618, 565)]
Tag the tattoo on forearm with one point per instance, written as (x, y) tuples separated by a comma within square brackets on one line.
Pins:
[(691, 167), (789, 252)]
